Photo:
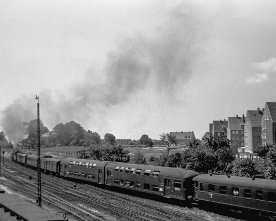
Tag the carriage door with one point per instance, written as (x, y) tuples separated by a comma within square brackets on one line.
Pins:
[(172, 188), (100, 177)]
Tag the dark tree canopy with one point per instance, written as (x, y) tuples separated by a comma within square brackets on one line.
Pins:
[(69, 134), (109, 138), (145, 140)]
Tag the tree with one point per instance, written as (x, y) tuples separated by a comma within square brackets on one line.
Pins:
[(168, 139), (109, 138), (70, 133), (145, 140), (174, 160), (139, 158), (262, 151), (31, 131), (245, 167), (3, 137)]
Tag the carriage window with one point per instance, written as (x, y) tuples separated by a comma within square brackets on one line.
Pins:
[(127, 170), (155, 188), (122, 169), (201, 187), (137, 185), (131, 184), (108, 173), (222, 189), (93, 177), (156, 173), (138, 171), (211, 188), (247, 193), (271, 196), (147, 173), (116, 181), (177, 184), (122, 182), (235, 191), (259, 194), (126, 182), (116, 168), (133, 170), (146, 186)]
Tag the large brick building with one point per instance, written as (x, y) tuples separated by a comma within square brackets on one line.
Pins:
[(253, 129), (269, 123), (235, 132)]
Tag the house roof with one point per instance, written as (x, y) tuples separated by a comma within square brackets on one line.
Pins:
[(272, 110), (235, 123), (255, 117), (183, 135), (220, 125)]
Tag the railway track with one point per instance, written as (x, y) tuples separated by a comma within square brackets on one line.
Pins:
[(89, 202)]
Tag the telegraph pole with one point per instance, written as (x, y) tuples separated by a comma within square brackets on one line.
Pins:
[(38, 157)]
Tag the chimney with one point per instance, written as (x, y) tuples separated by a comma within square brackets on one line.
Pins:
[(258, 109), (243, 118), (237, 116)]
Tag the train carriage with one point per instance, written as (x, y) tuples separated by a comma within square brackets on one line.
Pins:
[(243, 192), (163, 181), (21, 158), (88, 170), (51, 165), (31, 160)]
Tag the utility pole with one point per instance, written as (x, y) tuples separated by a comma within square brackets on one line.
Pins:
[(38, 157), (0, 163)]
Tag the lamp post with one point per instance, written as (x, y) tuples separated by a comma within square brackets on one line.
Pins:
[(38, 156)]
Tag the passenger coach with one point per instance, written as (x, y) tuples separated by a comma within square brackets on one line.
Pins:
[(88, 170), (255, 194), (163, 181)]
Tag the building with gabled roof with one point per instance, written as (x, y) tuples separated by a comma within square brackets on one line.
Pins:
[(235, 132), (218, 129), (253, 129), (269, 123), (183, 138)]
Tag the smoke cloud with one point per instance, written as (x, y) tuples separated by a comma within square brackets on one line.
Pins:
[(163, 61)]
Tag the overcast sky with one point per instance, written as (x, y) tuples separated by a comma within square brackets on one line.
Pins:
[(135, 67)]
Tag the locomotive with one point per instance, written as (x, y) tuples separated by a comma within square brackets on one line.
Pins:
[(250, 194)]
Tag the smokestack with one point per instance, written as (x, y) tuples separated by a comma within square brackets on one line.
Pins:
[(243, 118)]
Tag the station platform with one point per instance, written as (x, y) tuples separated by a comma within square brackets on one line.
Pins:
[(14, 208)]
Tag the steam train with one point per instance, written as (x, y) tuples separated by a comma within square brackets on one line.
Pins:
[(244, 193)]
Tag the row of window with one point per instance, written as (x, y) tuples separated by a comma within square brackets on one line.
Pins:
[(248, 193), (84, 175), (137, 171), (146, 186), (82, 164)]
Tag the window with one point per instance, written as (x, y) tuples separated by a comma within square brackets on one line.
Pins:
[(131, 184), (211, 188), (127, 170), (138, 171), (122, 182), (222, 189), (177, 185), (156, 173), (116, 181), (201, 187), (155, 188), (247, 193), (93, 177), (133, 170), (126, 182), (271, 196), (116, 168), (122, 169), (146, 186), (137, 185), (235, 191), (259, 194), (108, 173), (147, 173)]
